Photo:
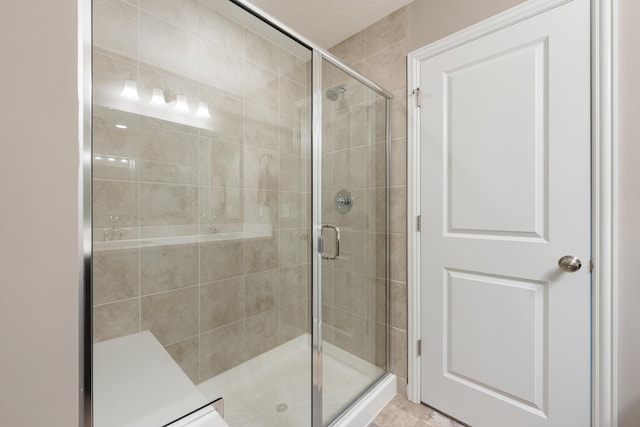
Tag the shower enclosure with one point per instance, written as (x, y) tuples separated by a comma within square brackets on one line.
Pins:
[(239, 219)]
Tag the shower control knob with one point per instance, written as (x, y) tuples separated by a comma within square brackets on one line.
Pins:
[(569, 263)]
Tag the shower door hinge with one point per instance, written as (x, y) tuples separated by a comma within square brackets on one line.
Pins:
[(419, 223), (419, 347), (418, 96), (591, 266)]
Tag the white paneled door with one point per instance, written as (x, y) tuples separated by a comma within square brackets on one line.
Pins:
[(505, 193)]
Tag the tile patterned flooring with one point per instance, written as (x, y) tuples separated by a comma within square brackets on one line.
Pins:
[(402, 413)]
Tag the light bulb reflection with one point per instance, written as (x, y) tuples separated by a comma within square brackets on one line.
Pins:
[(158, 97), (130, 90), (181, 104), (203, 110)]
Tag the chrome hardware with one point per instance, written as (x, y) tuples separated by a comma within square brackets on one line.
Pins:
[(113, 233), (210, 226), (343, 201), (337, 232), (569, 263)]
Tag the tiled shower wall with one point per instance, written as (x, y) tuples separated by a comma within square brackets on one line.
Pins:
[(353, 159), (379, 52), (213, 303)]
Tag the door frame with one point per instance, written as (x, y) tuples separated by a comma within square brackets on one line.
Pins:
[(604, 184)]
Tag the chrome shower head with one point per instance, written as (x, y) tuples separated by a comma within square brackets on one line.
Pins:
[(335, 91)]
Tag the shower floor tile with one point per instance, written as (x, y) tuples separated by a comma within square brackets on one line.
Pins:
[(274, 389)]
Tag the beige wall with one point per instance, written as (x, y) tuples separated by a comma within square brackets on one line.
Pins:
[(629, 245), (38, 215), (430, 20)]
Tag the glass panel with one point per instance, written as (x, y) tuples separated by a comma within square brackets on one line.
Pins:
[(201, 198), (354, 198)]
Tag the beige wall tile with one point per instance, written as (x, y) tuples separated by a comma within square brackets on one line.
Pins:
[(225, 33), (261, 127), (112, 141), (398, 210), (221, 260), (375, 250), (387, 31), (115, 199), (260, 51), (220, 69), (167, 156), (261, 85), (294, 98), (171, 48), (349, 293), (261, 168), (375, 219), (261, 292), (398, 248), (376, 299), (398, 299), (171, 316), (399, 352), (350, 50), (399, 114), (224, 164), (227, 115), (294, 68), (293, 245), (221, 349), (261, 333), (115, 320), (179, 13), (291, 173), (261, 254), (290, 210), (115, 275), (115, 27), (348, 169), (185, 353), (222, 303), (375, 173), (352, 253), (168, 204), (398, 172), (350, 333), (293, 284), (293, 321), (109, 74), (393, 75), (168, 267)]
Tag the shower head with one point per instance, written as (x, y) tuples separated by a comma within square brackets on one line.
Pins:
[(335, 91)]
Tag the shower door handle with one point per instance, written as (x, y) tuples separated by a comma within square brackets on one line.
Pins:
[(337, 233)]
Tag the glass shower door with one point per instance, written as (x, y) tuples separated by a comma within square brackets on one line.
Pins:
[(201, 215), (354, 235)]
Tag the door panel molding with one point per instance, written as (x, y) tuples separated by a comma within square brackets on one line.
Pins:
[(604, 190)]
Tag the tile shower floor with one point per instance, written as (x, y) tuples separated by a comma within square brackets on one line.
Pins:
[(274, 389)]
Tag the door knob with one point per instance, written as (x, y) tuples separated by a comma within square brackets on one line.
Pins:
[(569, 263)]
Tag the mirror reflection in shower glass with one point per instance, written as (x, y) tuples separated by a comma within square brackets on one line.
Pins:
[(201, 215)]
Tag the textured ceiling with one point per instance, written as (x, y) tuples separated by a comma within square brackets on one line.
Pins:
[(328, 22)]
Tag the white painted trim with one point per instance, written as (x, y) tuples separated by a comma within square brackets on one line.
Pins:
[(509, 17), (605, 214), (413, 236), (605, 194)]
